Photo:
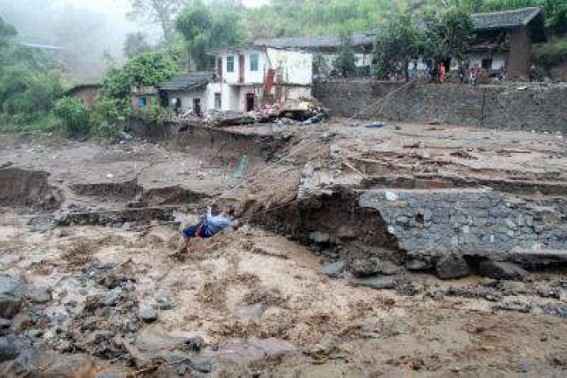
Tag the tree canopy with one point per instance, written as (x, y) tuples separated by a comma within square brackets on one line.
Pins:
[(147, 69), (204, 28)]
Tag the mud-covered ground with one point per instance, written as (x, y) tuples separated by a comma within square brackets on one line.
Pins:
[(109, 298)]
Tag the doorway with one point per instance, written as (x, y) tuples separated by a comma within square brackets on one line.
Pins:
[(250, 102), (197, 106)]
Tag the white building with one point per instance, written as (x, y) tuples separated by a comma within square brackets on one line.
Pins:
[(244, 79)]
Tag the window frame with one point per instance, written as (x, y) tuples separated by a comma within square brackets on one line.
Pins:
[(230, 64), (218, 101), (256, 60)]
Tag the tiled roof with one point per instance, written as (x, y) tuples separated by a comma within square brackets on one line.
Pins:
[(357, 39), (193, 80), (505, 19)]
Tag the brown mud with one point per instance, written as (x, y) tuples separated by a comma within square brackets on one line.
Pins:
[(91, 244)]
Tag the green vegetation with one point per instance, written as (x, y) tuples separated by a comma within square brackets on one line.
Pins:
[(344, 63), (205, 28), (396, 46), (552, 53), (74, 116), (29, 85)]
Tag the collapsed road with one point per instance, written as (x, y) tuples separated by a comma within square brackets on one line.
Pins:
[(398, 249)]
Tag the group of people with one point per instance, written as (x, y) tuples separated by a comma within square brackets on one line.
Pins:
[(437, 73)]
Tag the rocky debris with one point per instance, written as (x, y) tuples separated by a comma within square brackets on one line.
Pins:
[(419, 264), (164, 302), (379, 283), (555, 309), (8, 349), (10, 296), (204, 365), (363, 267), (451, 267), (113, 297), (318, 237), (148, 314), (251, 312), (333, 270), (39, 295), (242, 353), (501, 270), (5, 323), (32, 362)]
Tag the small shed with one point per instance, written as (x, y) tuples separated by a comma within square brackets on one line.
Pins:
[(187, 92), (87, 93)]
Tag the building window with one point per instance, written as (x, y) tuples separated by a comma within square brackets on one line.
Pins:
[(218, 101), (487, 64), (229, 64), (254, 62), (142, 102)]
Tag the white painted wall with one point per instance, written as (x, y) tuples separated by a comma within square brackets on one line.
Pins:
[(229, 96), (498, 60), (187, 99), (295, 67)]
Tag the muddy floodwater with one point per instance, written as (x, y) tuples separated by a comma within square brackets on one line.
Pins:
[(310, 284)]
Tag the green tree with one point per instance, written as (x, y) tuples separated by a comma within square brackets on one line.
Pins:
[(135, 44), (345, 60), (74, 116), (447, 34), (7, 31), (204, 29), (397, 44), (147, 69)]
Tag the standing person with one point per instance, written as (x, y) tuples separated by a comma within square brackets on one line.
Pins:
[(442, 72), (209, 226), (462, 72)]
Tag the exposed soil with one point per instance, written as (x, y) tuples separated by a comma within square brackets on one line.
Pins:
[(96, 225)]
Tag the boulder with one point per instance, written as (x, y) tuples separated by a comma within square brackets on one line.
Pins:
[(8, 349), (10, 296), (379, 282), (39, 295), (451, 267), (333, 270), (319, 237), (364, 267), (148, 314), (501, 270)]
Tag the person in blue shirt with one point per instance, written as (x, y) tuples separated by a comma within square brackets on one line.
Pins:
[(210, 225)]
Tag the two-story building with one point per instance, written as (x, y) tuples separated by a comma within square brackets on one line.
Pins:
[(244, 79), (249, 77)]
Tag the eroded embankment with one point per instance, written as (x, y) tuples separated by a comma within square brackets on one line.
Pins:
[(380, 224), (21, 187)]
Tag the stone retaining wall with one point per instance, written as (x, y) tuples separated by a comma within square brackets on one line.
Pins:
[(474, 222), (532, 107)]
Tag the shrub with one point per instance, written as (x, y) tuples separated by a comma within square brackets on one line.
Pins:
[(74, 116), (551, 53)]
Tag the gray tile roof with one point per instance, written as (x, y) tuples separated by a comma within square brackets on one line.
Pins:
[(193, 80), (316, 42), (505, 19)]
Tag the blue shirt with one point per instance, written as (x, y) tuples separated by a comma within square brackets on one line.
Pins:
[(217, 223)]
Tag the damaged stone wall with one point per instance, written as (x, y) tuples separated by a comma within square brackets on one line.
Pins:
[(535, 107), (429, 224)]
